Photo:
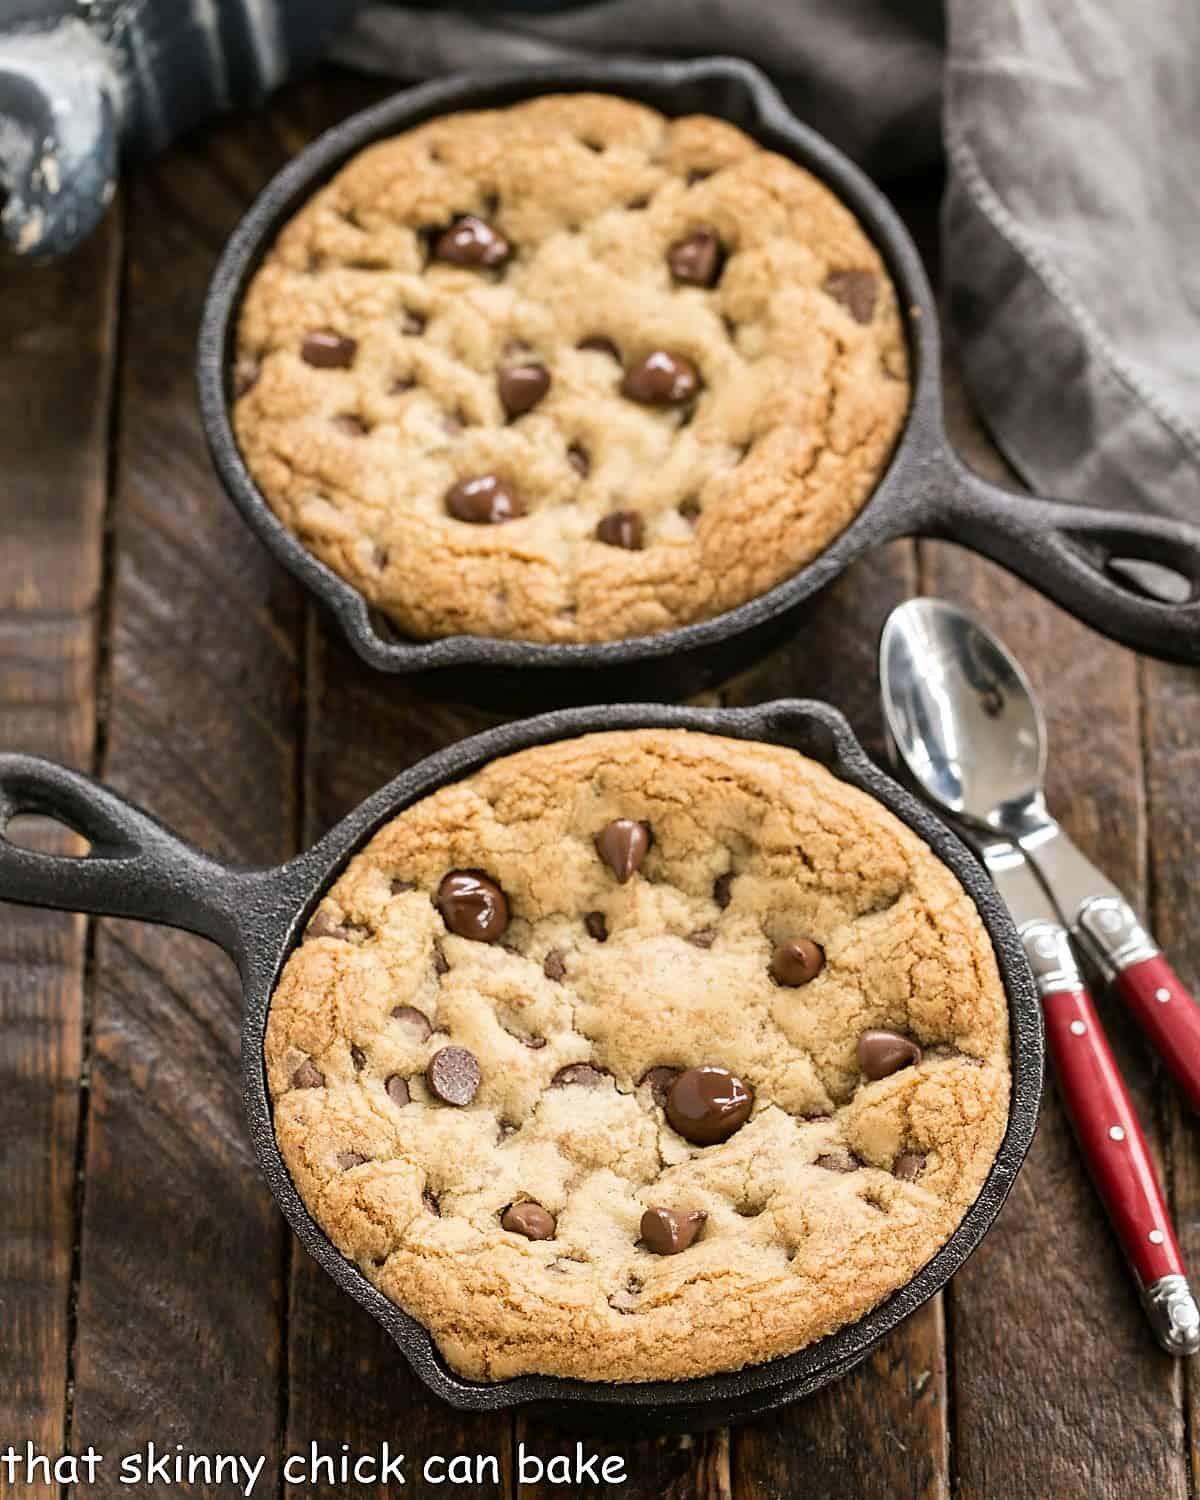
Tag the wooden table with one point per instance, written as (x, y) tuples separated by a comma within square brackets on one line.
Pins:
[(149, 1291)]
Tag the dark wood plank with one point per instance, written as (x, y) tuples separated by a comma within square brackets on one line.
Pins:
[(180, 1302), (57, 327), (1171, 718), (1058, 1388)]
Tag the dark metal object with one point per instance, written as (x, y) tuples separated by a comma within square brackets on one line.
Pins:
[(1062, 549), (137, 868)]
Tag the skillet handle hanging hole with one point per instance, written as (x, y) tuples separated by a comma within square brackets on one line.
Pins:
[(1132, 576), (123, 863)]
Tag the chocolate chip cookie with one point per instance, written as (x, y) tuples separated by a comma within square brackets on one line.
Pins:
[(568, 371), (640, 1056)]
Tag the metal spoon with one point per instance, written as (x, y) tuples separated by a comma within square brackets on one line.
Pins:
[(968, 731)]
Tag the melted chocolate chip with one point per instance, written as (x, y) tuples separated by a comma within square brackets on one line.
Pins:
[(855, 290), (703, 937), (585, 1074), (596, 924), (348, 1159), (696, 259), (598, 344), (661, 379), (667, 1231), (839, 1161), (521, 387), (881, 1053), (659, 1080), (453, 1075), (909, 1165), (471, 241), (326, 350), (723, 889), (578, 458), (323, 926), (622, 528), (622, 845), (359, 1058), (484, 500), (245, 374), (529, 1219), (413, 1021), (553, 966), (707, 1104), (472, 905), (397, 1090), (797, 962), (308, 1076)]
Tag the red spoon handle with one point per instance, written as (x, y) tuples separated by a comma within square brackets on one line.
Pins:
[(1109, 1135), (1168, 1015)]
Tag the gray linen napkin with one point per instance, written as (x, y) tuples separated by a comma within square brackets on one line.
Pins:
[(1070, 132)]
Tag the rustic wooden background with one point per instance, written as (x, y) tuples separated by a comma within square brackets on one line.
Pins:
[(148, 1287)]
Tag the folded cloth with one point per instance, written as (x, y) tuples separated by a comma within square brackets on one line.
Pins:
[(1070, 133)]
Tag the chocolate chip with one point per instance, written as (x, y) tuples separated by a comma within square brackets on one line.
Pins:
[(797, 962), (723, 889), (703, 937), (855, 290), (881, 1053), (415, 1022), (400, 886), (471, 241), (521, 387), (622, 528), (397, 1090), (308, 1076), (348, 1159), (359, 1058), (553, 966), (839, 1161), (578, 458), (472, 905), (441, 964), (245, 374), (585, 1074), (598, 344), (622, 845), (323, 926), (696, 259), (909, 1165), (667, 1231), (690, 510), (659, 1080), (412, 324), (534, 1043), (431, 1203), (483, 500), (661, 379), (707, 1104), (529, 1219), (327, 350), (597, 926), (453, 1075)]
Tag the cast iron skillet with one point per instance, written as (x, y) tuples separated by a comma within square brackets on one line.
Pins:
[(137, 868), (1062, 549)]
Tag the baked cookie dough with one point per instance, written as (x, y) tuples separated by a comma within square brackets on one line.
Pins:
[(568, 371), (640, 1056)]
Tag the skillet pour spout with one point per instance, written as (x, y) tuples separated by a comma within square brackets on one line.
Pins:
[(137, 868), (1134, 577)]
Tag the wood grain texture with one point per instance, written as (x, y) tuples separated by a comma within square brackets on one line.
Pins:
[(181, 1295), (57, 337), (1059, 1389)]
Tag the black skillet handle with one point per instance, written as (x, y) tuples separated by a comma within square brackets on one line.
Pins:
[(135, 867), (1091, 561)]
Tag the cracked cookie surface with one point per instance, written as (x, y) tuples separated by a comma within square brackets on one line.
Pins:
[(513, 1225), (376, 379)]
